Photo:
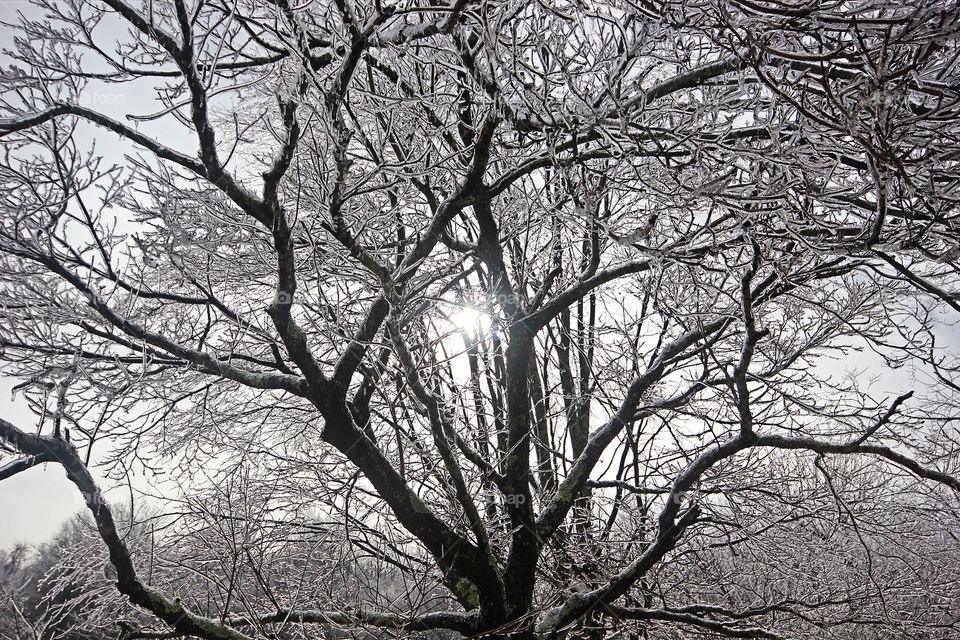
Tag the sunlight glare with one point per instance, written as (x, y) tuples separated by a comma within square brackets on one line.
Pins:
[(470, 319)]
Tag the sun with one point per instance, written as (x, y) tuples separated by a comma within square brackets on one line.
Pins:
[(470, 319)]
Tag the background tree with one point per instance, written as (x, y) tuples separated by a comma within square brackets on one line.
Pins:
[(62, 589), (589, 319)]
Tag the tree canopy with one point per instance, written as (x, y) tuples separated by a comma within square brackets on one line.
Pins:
[(574, 319)]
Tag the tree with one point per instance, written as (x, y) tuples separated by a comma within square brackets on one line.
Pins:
[(61, 589), (568, 312)]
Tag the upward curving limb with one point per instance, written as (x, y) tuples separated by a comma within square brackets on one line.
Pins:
[(552, 515), (825, 446), (671, 523)]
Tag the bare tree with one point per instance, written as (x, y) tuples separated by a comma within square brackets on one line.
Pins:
[(586, 319)]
